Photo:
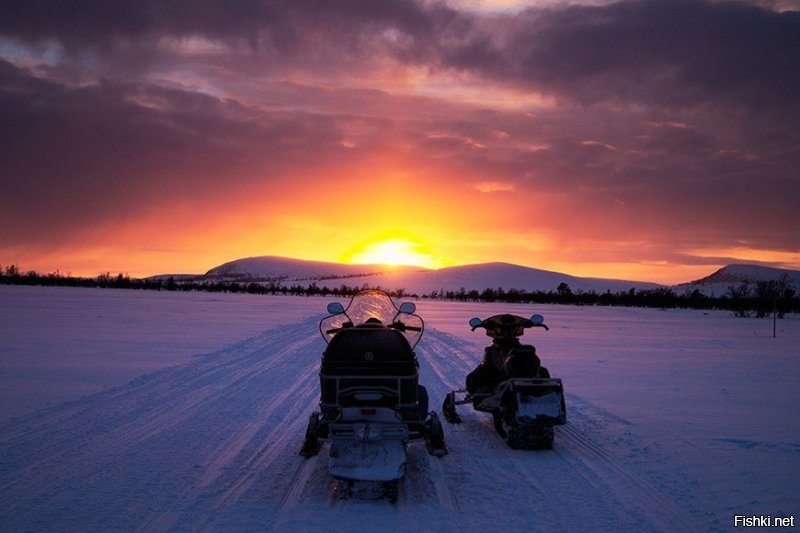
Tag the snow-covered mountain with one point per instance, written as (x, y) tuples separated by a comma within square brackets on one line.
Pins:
[(413, 279), (478, 277), (273, 267), (717, 284), (494, 275)]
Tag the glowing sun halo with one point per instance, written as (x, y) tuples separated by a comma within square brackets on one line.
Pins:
[(393, 252)]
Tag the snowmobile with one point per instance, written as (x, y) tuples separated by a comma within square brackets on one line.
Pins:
[(371, 404), (512, 385)]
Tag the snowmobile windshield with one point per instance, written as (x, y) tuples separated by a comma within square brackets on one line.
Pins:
[(373, 309)]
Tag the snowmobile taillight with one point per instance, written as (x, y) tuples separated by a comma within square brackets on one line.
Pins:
[(369, 411)]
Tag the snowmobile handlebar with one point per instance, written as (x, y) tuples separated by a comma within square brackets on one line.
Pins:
[(505, 325), (397, 325)]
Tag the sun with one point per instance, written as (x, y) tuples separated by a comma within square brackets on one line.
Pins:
[(394, 252)]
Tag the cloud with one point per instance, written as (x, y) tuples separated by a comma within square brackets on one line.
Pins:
[(677, 53), (672, 122), (78, 156), (657, 52), (494, 186), (269, 29)]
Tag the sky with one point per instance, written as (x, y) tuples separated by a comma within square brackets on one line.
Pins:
[(650, 140)]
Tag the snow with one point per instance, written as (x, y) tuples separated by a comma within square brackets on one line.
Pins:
[(719, 283), (130, 410), (62, 342), (277, 267), (503, 275)]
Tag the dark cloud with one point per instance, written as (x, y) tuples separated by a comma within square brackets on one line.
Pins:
[(647, 180), (672, 119), (656, 52), (283, 27), (73, 157)]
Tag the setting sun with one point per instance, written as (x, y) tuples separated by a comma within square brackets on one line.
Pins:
[(394, 252)]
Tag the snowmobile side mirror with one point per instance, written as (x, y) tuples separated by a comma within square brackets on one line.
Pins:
[(408, 307), (537, 320), (475, 322), (335, 308)]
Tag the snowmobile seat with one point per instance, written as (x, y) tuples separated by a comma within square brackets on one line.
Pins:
[(369, 365), (522, 362), (494, 356), (483, 378), (369, 351), (489, 372)]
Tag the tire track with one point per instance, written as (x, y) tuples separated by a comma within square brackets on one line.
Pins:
[(256, 465), (298, 484), (437, 350), (98, 435), (578, 469), (630, 488), (212, 445), (146, 396), (301, 392), (438, 474)]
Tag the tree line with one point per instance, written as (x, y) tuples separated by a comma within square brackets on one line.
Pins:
[(761, 299)]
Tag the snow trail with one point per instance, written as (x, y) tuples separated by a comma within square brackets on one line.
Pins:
[(213, 444), (202, 433), (577, 470)]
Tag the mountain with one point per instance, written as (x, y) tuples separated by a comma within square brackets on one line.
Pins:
[(478, 277), (413, 279), (505, 275), (717, 284), (275, 268)]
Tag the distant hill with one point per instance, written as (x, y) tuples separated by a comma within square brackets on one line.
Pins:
[(412, 279), (273, 267), (471, 277), (505, 275), (717, 284)]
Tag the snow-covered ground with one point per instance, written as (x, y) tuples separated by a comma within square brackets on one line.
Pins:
[(59, 343), (185, 411)]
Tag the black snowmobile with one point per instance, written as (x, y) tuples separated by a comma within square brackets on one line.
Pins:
[(371, 404), (512, 385)]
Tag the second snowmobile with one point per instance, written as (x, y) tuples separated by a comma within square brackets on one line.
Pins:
[(371, 403), (512, 385)]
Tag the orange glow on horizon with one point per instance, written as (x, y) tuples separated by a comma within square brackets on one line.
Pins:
[(423, 217)]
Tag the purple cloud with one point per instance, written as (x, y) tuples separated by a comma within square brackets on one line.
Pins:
[(673, 121)]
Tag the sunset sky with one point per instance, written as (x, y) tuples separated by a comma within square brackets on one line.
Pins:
[(644, 139)]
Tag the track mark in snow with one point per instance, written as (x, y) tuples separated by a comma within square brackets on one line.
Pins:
[(597, 464), (444, 492), (286, 402), (610, 493), (448, 358), (297, 484), (212, 445), (258, 464), (173, 447)]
